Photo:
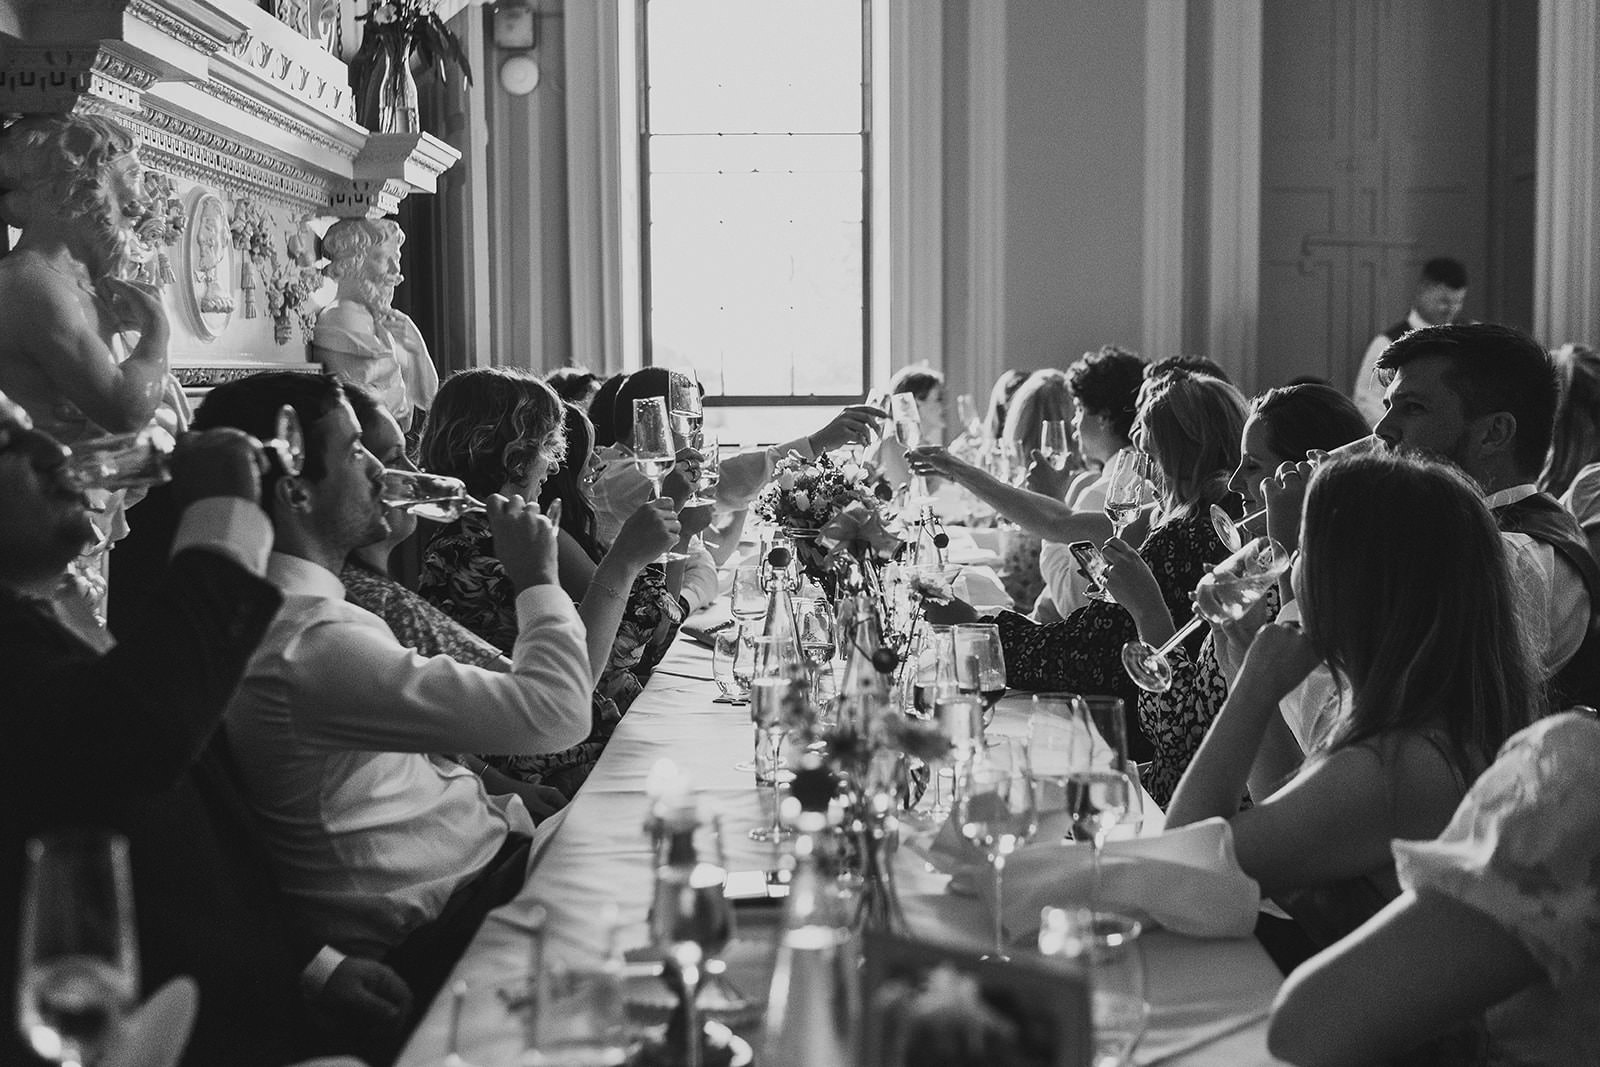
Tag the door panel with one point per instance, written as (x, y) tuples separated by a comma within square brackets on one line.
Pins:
[(1374, 159)]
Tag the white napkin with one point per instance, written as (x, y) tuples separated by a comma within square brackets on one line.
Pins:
[(1187, 880), (980, 587)]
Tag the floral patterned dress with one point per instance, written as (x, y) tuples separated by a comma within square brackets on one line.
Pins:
[(1176, 721), (463, 578), (1083, 652), (1524, 850)]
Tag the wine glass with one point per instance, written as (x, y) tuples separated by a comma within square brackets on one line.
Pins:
[(980, 664), (747, 596), (1106, 945), (78, 961), (775, 703), (967, 412), (692, 922), (435, 497), (814, 619), (1129, 487), (1055, 443), (907, 420), (710, 469), (733, 688), (997, 815), (1225, 594), (1098, 788), (653, 449), (1055, 735)]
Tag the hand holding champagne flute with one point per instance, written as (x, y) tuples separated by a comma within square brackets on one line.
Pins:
[(653, 449)]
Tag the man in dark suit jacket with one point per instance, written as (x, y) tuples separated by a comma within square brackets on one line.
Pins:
[(126, 738)]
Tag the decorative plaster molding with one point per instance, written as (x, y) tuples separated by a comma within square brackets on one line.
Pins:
[(296, 65), (415, 158), (364, 198), (196, 24), (219, 372), (210, 157), (61, 78)]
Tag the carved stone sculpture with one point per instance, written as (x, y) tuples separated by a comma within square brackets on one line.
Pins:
[(360, 336)]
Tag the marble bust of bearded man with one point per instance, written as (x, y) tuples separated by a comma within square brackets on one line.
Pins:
[(360, 336)]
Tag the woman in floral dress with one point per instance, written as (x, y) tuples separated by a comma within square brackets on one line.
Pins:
[(629, 613)]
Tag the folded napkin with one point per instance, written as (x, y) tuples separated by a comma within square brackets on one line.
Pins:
[(1186, 880), (980, 587)]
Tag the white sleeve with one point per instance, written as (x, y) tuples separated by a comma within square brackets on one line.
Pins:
[(699, 577), (1068, 588), (378, 694)]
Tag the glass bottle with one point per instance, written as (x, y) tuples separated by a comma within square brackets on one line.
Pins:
[(864, 691), (779, 621), (813, 1004)]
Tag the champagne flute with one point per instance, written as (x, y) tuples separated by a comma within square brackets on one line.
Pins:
[(1231, 532), (435, 497), (907, 420), (967, 412), (653, 449), (1098, 787), (996, 813), (1055, 443), (141, 459), (1225, 594), (980, 664), (1128, 490), (773, 708), (815, 621), (78, 959), (710, 471)]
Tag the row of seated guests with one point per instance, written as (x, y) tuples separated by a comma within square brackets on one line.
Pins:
[(319, 772)]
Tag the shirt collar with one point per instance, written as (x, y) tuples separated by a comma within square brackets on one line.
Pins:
[(1512, 495), (300, 577)]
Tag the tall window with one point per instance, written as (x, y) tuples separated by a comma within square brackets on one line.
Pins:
[(754, 152)]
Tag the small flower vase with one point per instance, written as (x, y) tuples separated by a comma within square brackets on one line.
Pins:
[(812, 557), (397, 93)]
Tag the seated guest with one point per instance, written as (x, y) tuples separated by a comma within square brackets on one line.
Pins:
[(125, 738), (1189, 364), (1484, 398), (415, 622), (927, 385), (1190, 426), (1573, 469), (1043, 397), (1005, 387), (601, 410), (383, 846), (1498, 915), (1104, 386), (1283, 425), (1438, 675)]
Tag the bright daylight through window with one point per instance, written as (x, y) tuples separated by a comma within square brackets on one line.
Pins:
[(754, 154)]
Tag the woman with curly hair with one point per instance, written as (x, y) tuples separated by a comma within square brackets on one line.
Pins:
[(497, 426)]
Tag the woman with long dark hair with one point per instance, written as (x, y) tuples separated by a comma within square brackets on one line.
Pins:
[(1405, 593)]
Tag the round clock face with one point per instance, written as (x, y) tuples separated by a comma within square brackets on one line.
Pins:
[(519, 75)]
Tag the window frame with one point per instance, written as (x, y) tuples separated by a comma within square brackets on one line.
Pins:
[(642, 134)]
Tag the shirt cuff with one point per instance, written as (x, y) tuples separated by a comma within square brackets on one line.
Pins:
[(801, 445), (230, 526), (319, 970)]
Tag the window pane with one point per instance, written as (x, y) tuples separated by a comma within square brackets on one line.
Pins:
[(755, 194), (754, 66)]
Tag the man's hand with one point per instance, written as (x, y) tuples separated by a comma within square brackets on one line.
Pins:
[(936, 459), (651, 530), (955, 612), (363, 995), (137, 307), (524, 539), (542, 801), (692, 520), (680, 480), (855, 425), (220, 462), (1285, 493)]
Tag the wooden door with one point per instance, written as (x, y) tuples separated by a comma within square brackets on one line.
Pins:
[(1374, 159)]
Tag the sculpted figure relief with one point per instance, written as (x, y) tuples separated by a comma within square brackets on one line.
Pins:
[(359, 335), (73, 184)]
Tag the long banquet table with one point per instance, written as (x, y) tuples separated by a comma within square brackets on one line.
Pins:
[(1208, 998)]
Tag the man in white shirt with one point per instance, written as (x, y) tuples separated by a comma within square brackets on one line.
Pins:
[(383, 846), (1441, 292), (1484, 397)]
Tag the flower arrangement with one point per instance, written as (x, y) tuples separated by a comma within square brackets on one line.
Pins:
[(825, 506), (392, 32)]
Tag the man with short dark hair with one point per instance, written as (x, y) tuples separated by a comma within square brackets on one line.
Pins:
[(383, 846), (1484, 397), (1441, 291)]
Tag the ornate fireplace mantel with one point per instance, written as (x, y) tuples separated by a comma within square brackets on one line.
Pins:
[(220, 93)]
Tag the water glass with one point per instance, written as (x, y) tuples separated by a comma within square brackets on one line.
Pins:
[(734, 687), (78, 960), (577, 1013), (1106, 946), (747, 597)]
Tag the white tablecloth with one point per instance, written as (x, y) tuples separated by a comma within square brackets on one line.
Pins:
[(1214, 992)]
